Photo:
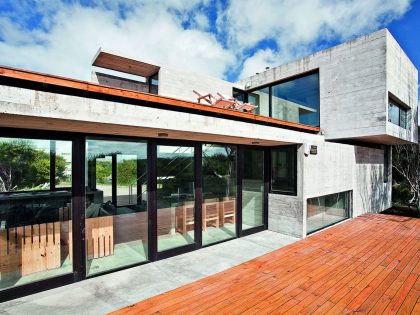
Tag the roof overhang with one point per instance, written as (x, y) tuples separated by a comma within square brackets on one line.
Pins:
[(115, 62)]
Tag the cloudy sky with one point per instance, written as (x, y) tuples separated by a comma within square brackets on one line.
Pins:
[(227, 39)]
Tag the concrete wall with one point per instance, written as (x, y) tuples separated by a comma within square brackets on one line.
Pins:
[(402, 80), (340, 167), (110, 80), (180, 84), (354, 81), (370, 193), (286, 213), (26, 108)]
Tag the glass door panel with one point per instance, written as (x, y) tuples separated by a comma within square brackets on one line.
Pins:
[(116, 221), (175, 196), (253, 189), (35, 210), (219, 193)]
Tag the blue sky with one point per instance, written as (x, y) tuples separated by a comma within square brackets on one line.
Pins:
[(228, 39)]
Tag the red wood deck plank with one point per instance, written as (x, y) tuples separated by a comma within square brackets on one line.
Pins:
[(369, 264)]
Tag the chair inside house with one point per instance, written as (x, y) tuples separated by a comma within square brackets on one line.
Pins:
[(210, 213), (227, 211), (184, 217)]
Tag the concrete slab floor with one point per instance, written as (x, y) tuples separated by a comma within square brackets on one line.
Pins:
[(113, 291)]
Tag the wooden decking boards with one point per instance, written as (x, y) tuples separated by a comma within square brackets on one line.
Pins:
[(369, 265)]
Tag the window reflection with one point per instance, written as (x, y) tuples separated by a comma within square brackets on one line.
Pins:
[(175, 196), (253, 189), (260, 98), (397, 115), (326, 210), (35, 210), (283, 170), (219, 193), (116, 204), (297, 100)]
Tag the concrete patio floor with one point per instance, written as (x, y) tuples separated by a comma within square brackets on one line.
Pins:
[(110, 292)]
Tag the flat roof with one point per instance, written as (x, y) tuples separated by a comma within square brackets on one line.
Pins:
[(115, 62), (171, 103)]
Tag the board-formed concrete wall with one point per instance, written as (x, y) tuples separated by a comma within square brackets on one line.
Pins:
[(180, 84), (285, 213), (402, 80), (341, 167), (371, 193), (335, 168), (354, 81), (64, 112)]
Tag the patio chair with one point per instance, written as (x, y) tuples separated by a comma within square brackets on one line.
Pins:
[(210, 213), (209, 98), (227, 211), (238, 105), (213, 101), (184, 217)]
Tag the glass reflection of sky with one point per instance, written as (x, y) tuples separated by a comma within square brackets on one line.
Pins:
[(96, 148)]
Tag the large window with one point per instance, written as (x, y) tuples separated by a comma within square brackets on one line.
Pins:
[(297, 100), (35, 210), (253, 189), (397, 114), (116, 221), (326, 210), (219, 193), (260, 98), (283, 170)]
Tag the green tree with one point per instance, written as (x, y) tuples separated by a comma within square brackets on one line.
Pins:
[(23, 166)]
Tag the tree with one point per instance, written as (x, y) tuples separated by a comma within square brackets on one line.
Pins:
[(406, 161), (24, 166)]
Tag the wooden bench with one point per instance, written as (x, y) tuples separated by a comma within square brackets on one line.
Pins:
[(31, 248), (99, 237)]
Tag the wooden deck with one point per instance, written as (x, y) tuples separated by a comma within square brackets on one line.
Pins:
[(367, 265)]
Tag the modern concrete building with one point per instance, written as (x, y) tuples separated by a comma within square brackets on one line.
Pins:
[(129, 168)]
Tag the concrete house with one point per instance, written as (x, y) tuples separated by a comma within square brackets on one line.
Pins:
[(130, 168)]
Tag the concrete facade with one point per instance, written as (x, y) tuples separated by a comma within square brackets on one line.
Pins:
[(355, 81), (336, 168), (180, 84)]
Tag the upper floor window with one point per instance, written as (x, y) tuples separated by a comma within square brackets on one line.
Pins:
[(260, 98), (297, 100), (397, 114)]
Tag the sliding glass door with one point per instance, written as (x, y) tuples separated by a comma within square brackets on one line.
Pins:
[(116, 212), (219, 193), (253, 189), (36, 210), (176, 213)]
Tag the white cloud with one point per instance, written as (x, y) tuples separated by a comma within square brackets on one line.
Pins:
[(296, 27), (150, 30), (69, 34)]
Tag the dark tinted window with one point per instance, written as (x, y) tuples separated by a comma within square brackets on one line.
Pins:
[(283, 170)]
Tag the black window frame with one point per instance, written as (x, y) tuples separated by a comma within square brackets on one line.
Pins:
[(402, 119), (285, 80), (79, 195), (293, 150)]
